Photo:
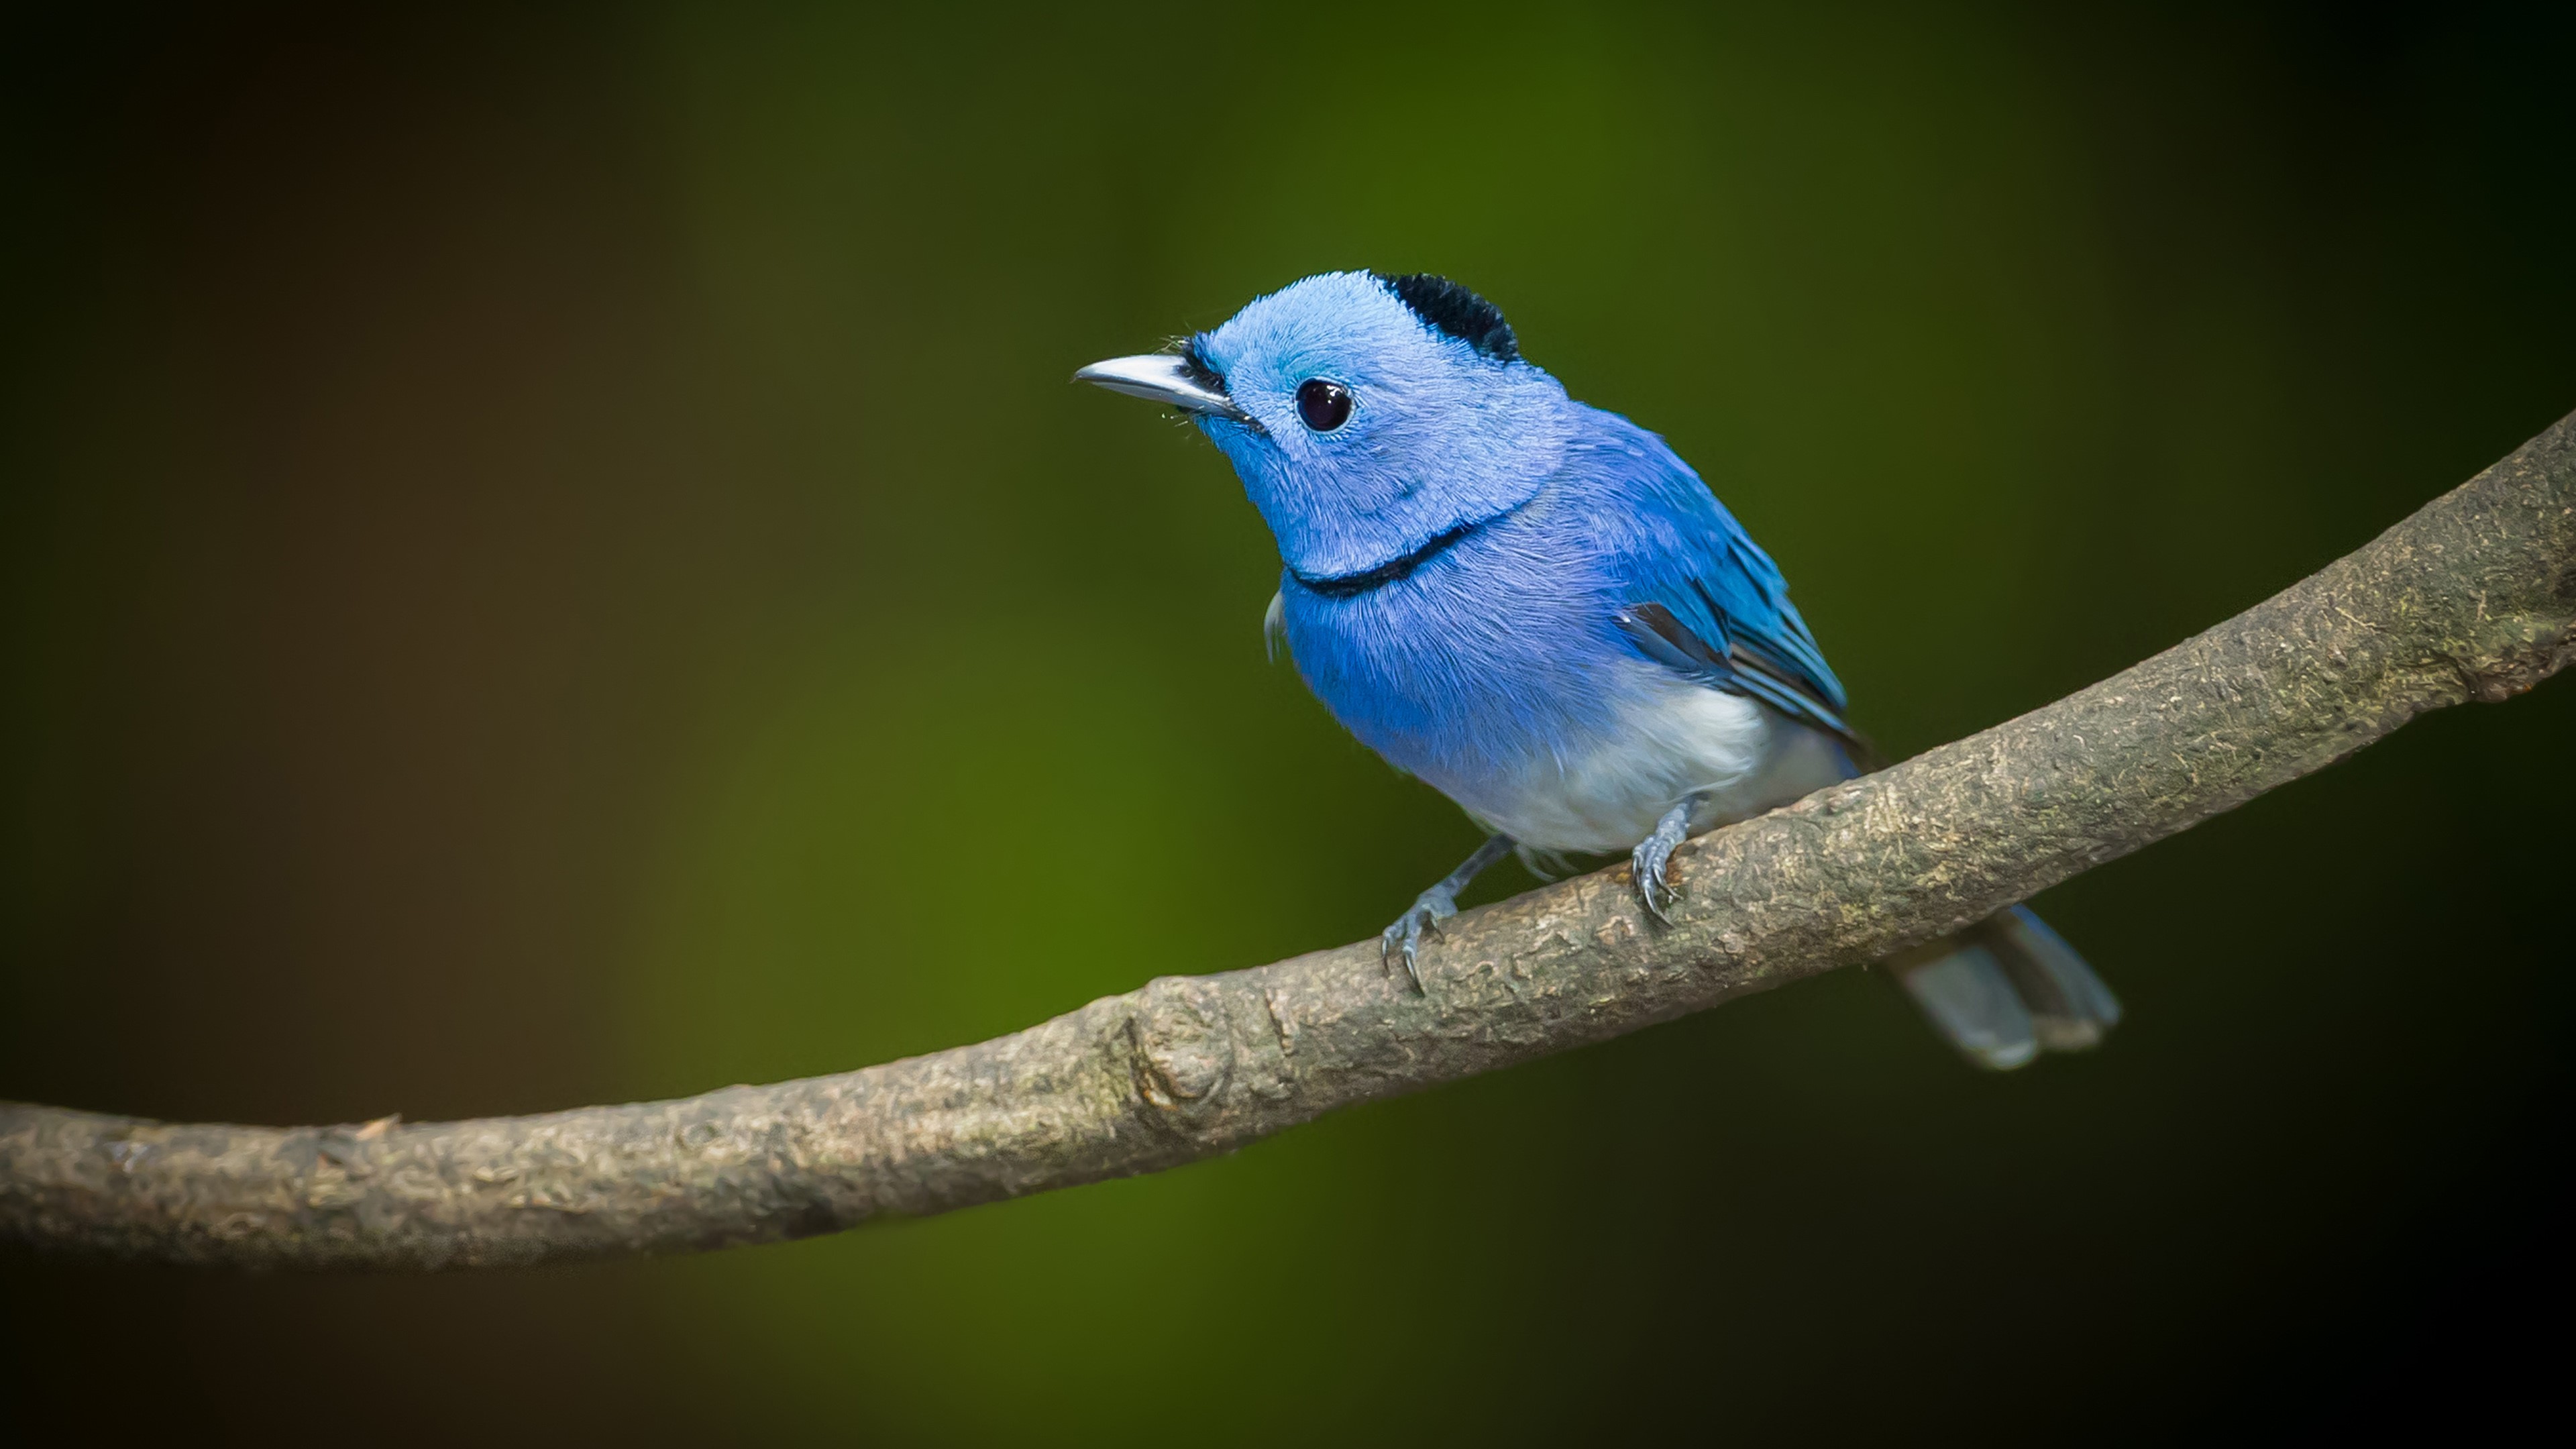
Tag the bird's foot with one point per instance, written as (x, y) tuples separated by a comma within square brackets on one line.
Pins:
[(1428, 910), (1654, 853)]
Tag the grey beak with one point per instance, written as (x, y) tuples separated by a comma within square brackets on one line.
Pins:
[(1163, 378)]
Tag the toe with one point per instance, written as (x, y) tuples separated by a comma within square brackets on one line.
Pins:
[(1648, 864), (1404, 938)]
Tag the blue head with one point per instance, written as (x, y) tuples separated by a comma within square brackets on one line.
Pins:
[(1367, 415)]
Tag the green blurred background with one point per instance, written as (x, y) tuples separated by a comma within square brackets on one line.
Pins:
[(550, 557)]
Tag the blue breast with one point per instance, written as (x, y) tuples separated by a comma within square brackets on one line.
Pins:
[(1496, 650)]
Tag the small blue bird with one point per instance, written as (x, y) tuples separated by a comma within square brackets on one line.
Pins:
[(1538, 608)]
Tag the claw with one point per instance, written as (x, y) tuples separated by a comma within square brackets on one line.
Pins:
[(1648, 864), (1432, 907), (1655, 852), (1405, 935)]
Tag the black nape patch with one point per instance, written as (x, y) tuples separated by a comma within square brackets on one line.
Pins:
[(1455, 310)]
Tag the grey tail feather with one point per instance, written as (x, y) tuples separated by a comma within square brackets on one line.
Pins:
[(2006, 989)]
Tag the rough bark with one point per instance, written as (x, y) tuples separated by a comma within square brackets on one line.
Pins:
[(2472, 598)]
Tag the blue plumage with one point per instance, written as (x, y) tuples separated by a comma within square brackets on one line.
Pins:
[(1537, 607)]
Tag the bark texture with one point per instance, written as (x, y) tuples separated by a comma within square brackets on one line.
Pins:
[(2472, 598)]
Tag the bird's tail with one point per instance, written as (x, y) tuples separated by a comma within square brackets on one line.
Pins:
[(2006, 989)]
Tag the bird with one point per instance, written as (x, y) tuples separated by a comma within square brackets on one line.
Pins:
[(1536, 607)]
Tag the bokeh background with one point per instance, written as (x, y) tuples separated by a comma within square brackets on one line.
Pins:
[(550, 557)]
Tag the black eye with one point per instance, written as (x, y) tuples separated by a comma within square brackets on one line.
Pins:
[(1324, 405)]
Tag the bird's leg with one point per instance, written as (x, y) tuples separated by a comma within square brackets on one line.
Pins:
[(1435, 905), (1655, 851)]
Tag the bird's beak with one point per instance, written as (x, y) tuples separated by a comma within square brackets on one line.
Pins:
[(1163, 378)]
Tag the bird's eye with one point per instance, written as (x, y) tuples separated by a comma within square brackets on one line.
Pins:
[(1324, 405)]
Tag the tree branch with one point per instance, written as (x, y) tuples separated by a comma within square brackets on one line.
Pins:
[(2472, 598)]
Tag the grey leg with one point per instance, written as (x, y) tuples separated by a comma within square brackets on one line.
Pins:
[(1652, 853), (1434, 906)]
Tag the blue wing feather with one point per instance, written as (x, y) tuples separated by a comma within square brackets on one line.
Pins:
[(1702, 598)]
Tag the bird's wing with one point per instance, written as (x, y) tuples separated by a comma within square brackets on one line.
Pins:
[(1700, 597), (1741, 666)]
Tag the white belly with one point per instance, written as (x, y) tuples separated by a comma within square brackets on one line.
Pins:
[(1677, 739)]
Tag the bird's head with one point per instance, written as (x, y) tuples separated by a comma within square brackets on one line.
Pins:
[(1369, 416)]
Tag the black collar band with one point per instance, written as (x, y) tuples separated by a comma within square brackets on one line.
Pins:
[(1343, 586)]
